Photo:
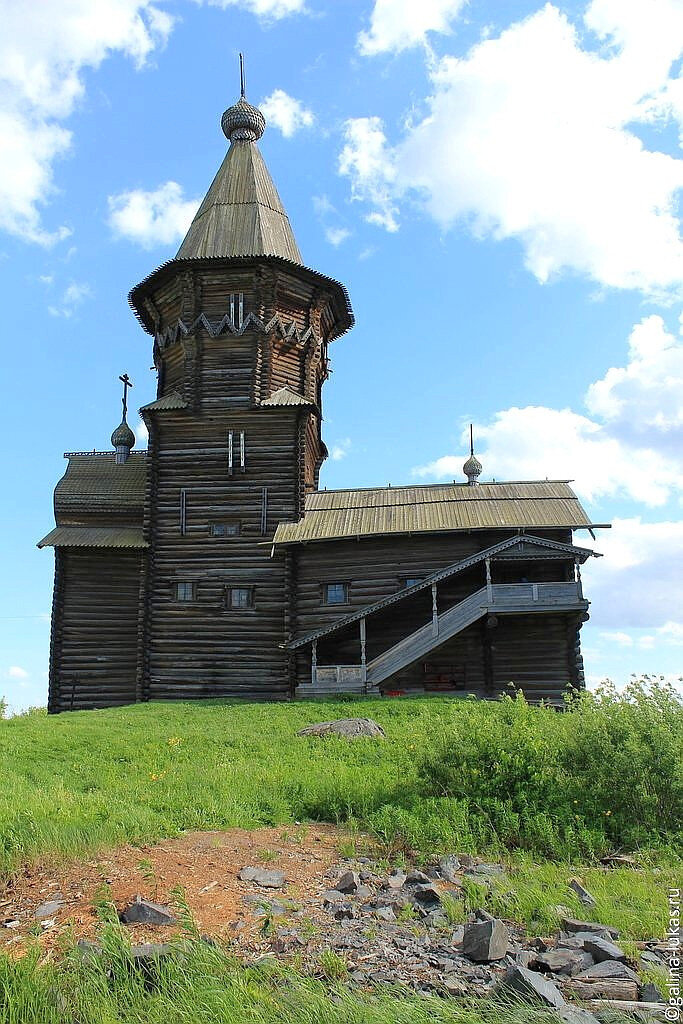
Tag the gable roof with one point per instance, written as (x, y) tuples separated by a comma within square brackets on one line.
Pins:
[(286, 396), (505, 547), (242, 214), (434, 508)]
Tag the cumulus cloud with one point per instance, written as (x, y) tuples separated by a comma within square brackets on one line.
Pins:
[(397, 25), (44, 51), (266, 9), (533, 135), (286, 113), (341, 449), (158, 217), (17, 672), (327, 214), (141, 432), (335, 236), (73, 296)]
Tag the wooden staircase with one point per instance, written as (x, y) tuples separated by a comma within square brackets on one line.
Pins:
[(496, 598)]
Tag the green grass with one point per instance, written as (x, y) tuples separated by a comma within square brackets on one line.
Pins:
[(201, 985), (452, 774)]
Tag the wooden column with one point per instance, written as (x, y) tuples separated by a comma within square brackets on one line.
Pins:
[(362, 649), (489, 588), (314, 662), (435, 612)]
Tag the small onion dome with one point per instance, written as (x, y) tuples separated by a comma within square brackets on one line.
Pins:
[(123, 440), (243, 123), (472, 469)]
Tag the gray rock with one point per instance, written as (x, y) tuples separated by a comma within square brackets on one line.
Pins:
[(417, 878), (385, 914), (344, 911), (532, 987), (570, 924), (485, 940), (263, 877), (458, 934), (563, 961), (609, 969), (485, 870), (348, 882), (573, 1015), (396, 880), (650, 994), (449, 868), (48, 909), (603, 949), (349, 728), (147, 951), (603, 988), (143, 911), (264, 905), (576, 941), (333, 896), (363, 892), (584, 896), (482, 915), (426, 897)]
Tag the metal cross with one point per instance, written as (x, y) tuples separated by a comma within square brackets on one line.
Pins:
[(242, 84), (127, 383)]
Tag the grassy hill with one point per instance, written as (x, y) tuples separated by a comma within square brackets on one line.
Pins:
[(540, 789)]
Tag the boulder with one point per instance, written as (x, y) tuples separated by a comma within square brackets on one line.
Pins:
[(385, 914), (584, 896), (333, 896), (349, 728), (143, 911), (570, 924), (532, 987), (396, 880), (650, 994), (263, 877), (603, 949), (417, 878), (562, 961), (485, 940), (348, 882), (426, 897), (609, 969)]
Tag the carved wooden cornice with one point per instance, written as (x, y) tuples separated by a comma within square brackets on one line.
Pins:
[(288, 332)]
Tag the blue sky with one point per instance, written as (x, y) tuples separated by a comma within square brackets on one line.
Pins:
[(499, 187)]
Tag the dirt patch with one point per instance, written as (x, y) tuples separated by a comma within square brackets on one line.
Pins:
[(204, 864)]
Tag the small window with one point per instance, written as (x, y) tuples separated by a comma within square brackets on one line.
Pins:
[(336, 593), (241, 597), (229, 529), (412, 581), (236, 306), (184, 591)]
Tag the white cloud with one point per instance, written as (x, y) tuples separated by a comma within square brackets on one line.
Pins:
[(141, 432), (365, 160), (622, 639), (646, 394), (158, 217), (531, 136), (636, 452), (17, 672), (266, 9), (397, 25), (335, 236), (341, 449), (286, 113), (73, 296), (44, 50)]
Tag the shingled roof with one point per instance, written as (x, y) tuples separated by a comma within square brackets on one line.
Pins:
[(434, 508), (94, 537), (93, 482)]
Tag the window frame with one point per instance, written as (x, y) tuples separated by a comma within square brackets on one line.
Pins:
[(229, 534), (192, 584), (228, 598), (345, 584)]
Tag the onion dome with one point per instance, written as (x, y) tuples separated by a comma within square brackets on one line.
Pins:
[(123, 440), (472, 467), (243, 123)]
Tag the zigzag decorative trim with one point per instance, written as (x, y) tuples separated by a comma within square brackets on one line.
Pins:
[(289, 332)]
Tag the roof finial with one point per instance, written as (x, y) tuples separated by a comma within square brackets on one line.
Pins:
[(123, 437), (473, 467), (242, 122)]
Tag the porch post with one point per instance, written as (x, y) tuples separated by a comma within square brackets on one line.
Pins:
[(578, 581), (435, 612), (362, 651), (489, 587), (314, 662)]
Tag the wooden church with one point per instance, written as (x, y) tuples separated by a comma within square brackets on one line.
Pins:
[(211, 564)]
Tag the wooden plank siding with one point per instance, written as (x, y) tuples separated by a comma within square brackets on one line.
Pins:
[(94, 654)]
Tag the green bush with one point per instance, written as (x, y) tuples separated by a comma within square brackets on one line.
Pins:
[(608, 772)]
